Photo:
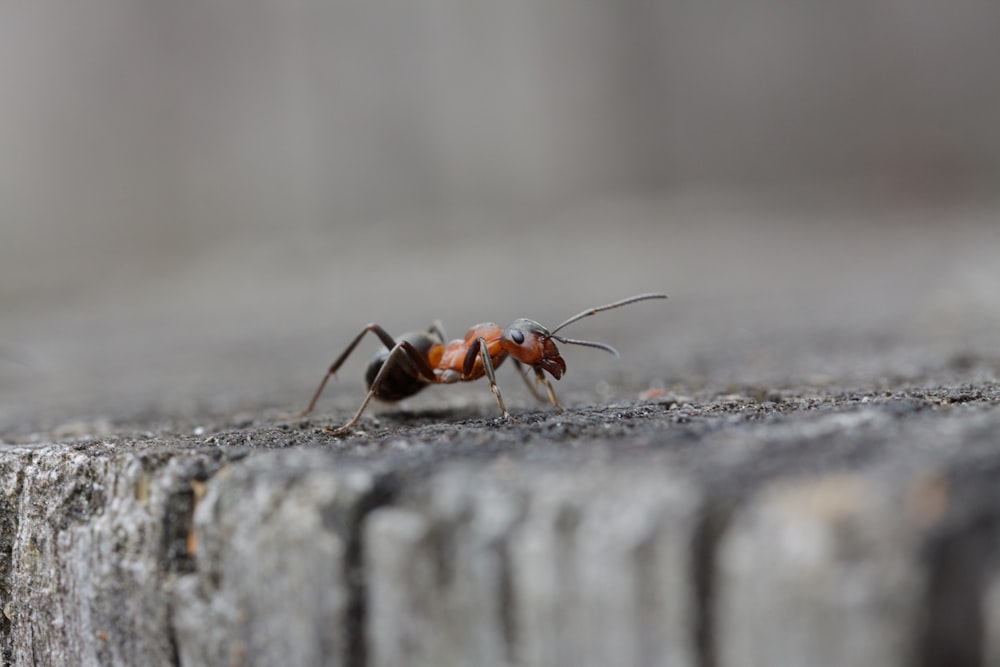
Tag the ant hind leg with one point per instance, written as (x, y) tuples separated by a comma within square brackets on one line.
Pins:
[(383, 335), (403, 347)]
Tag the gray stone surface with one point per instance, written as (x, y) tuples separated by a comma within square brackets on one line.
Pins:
[(793, 463), (527, 566), (833, 563), (93, 541), (274, 573)]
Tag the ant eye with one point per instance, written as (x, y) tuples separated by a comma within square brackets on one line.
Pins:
[(517, 336)]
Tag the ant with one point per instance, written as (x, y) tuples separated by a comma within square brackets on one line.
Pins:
[(418, 359)]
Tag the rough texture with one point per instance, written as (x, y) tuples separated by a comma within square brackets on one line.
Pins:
[(833, 529), (275, 571), (833, 563), (793, 463), (93, 541), (518, 565)]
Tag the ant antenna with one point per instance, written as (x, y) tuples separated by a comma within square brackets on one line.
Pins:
[(599, 309), (588, 343)]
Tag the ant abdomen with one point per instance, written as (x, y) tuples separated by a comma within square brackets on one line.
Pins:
[(401, 380)]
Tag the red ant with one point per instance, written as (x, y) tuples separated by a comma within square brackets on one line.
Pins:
[(421, 358)]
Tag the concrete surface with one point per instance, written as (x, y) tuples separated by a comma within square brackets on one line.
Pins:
[(793, 462)]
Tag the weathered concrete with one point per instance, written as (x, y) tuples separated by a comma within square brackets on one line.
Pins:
[(516, 565), (275, 576), (833, 563), (846, 529), (93, 539), (793, 463)]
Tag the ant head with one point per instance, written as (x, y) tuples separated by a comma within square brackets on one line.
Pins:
[(531, 343)]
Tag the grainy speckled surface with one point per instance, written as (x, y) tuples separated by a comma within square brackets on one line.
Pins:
[(816, 408)]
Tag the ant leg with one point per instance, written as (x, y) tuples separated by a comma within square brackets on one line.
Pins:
[(479, 345), (438, 330), (524, 376), (540, 376), (386, 339), (402, 347)]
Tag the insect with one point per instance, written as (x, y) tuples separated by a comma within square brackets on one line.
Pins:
[(418, 359)]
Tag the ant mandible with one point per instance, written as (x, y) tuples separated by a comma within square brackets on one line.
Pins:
[(418, 359)]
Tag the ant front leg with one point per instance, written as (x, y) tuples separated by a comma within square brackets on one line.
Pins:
[(527, 383), (383, 335), (403, 347), (540, 377), (479, 346)]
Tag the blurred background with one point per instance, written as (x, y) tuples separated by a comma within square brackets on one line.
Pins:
[(200, 202)]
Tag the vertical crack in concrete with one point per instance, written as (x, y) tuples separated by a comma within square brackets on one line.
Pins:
[(954, 633), (178, 521), (961, 562), (175, 553), (711, 525), (960, 565), (356, 649), (10, 499), (177, 546), (508, 623)]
